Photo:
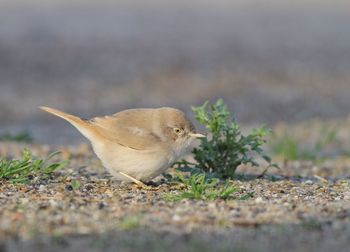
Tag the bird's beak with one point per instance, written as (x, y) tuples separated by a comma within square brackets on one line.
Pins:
[(196, 135)]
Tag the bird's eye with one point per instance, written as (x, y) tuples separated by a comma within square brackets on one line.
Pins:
[(178, 130)]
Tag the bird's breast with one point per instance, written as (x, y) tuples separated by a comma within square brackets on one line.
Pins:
[(140, 164)]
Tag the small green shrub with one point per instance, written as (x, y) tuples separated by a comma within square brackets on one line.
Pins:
[(226, 148), (28, 167), (200, 186)]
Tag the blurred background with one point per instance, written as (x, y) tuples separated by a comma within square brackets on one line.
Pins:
[(270, 60)]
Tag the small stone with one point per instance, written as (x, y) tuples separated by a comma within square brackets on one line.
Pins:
[(309, 182), (176, 217), (315, 169), (53, 203), (259, 200), (25, 189), (108, 192), (89, 187), (41, 188), (69, 188), (212, 205), (24, 201), (101, 205), (347, 196)]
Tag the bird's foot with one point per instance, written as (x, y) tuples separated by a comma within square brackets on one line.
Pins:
[(138, 183)]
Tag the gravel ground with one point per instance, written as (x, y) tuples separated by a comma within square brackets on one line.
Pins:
[(304, 206)]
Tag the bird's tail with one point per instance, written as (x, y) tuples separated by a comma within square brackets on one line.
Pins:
[(82, 125)]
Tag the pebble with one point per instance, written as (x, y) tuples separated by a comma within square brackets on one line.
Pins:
[(24, 201), (259, 200), (69, 188), (53, 202), (212, 205), (176, 217), (101, 205), (42, 188), (347, 196)]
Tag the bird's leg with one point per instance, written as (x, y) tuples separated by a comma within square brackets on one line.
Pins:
[(137, 182)]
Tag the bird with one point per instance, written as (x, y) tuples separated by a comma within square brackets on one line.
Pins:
[(136, 145)]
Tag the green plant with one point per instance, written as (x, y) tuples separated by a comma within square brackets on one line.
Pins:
[(28, 167), (23, 136), (226, 148), (291, 149), (287, 147), (246, 196), (200, 186), (76, 184), (130, 222), (327, 136)]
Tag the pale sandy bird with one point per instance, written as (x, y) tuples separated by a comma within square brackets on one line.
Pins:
[(136, 144)]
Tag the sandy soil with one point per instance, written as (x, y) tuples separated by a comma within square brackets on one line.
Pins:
[(304, 206)]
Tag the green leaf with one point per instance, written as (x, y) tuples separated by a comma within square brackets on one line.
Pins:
[(76, 184), (24, 169), (225, 148)]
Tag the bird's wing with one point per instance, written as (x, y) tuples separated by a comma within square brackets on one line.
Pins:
[(130, 128)]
